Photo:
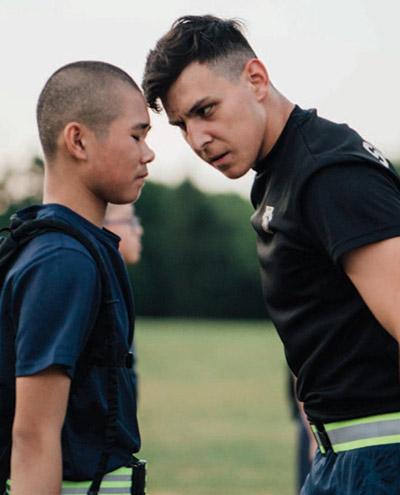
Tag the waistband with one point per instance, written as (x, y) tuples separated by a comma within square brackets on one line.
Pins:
[(357, 433), (118, 481)]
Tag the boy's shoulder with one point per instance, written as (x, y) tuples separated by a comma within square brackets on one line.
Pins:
[(54, 226), (40, 236)]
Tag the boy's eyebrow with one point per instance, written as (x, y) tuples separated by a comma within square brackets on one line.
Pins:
[(142, 126)]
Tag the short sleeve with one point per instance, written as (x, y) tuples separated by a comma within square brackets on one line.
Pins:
[(55, 304), (350, 206)]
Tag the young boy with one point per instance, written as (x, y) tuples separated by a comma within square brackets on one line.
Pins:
[(93, 123)]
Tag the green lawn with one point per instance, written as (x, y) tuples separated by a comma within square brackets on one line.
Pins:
[(212, 408)]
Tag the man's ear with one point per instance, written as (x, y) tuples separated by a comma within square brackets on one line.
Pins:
[(257, 76), (75, 140)]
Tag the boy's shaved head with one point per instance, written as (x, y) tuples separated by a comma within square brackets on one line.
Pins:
[(84, 92)]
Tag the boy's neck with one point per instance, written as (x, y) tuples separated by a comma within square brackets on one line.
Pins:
[(74, 196)]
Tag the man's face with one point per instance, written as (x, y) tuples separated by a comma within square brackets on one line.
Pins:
[(220, 118), (119, 160)]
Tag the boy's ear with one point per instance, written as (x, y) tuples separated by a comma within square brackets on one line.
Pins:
[(257, 76), (75, 140)]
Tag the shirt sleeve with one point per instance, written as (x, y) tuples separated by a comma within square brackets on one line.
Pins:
[(350, 206), (55, 305)]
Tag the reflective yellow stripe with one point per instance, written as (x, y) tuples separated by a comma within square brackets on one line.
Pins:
[(104, 484), (370, 431), (115, 482), (367, 442), (316, 435), (360, 421)]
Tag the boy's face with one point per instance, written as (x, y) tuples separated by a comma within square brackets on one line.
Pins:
[(220, 118), (118, 161)]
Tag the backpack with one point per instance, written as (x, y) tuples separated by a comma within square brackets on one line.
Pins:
[(102, 351)]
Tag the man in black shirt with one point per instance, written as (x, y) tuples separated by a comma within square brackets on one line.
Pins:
[(327, 217)]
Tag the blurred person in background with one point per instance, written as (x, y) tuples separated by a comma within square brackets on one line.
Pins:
[(305, 445), (122, 221)]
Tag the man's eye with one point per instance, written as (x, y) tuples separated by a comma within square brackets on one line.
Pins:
[(205, 110), (136, 138)]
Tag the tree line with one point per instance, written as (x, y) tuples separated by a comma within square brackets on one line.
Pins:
[(199, 255)]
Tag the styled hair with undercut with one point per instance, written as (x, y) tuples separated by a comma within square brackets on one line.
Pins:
[(205, 39), (84, 92)]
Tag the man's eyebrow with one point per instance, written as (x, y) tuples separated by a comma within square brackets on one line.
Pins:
[(198, 104)]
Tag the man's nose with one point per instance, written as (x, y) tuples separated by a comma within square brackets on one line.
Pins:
[(197, 137)]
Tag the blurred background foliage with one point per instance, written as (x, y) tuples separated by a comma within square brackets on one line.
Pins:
[(199, 251), (199, 255)]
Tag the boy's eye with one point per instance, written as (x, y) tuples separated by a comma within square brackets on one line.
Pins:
[(136, 138)]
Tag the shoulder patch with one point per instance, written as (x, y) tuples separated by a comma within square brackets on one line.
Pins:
[(376, 153)]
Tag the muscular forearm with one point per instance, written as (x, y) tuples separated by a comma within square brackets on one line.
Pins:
[(36, 467)]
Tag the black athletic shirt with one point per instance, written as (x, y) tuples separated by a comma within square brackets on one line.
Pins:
[(321, 192)]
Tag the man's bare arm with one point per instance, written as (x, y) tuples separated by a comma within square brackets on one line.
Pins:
[(375, 272), (36, 458)]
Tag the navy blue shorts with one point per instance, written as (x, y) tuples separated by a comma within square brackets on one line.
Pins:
[(366, 471)]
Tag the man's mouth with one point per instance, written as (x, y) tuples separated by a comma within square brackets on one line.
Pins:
[(218, 159)]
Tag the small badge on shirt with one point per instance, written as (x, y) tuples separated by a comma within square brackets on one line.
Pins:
[(266, 219), (376, 153)]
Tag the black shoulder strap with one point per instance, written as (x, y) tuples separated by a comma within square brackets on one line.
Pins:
[(20, 234)]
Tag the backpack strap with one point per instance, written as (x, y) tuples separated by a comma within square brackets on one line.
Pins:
[(20, 234)]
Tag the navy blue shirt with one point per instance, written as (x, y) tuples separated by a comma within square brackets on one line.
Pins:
[(49, 306)]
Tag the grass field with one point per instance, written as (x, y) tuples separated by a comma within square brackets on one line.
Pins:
[(212, 408)]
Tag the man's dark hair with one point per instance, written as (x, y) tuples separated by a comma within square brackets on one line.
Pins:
[(85, 92), (204, 39)]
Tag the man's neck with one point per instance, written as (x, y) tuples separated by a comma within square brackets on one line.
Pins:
[(278, 112)]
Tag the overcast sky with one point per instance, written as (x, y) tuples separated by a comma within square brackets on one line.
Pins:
[(341, 57)]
